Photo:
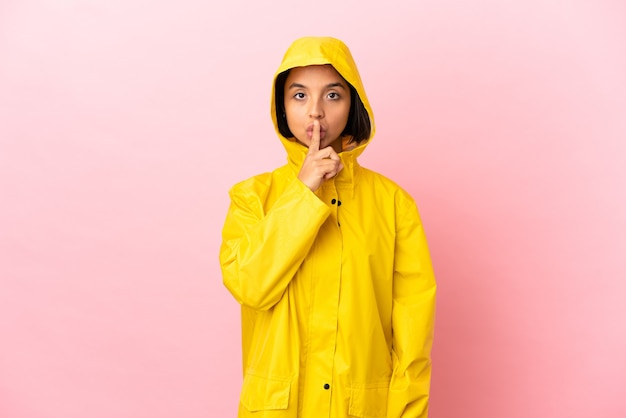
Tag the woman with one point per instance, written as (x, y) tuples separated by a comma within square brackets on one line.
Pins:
[(328, 259)]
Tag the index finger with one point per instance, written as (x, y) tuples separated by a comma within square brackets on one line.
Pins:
[(315, 137)]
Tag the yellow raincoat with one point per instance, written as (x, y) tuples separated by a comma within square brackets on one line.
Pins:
[(336, 286)]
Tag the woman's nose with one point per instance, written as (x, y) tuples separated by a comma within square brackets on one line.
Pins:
[(316, 110)]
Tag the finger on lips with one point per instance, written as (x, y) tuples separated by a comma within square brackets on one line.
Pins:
[(315, 137)]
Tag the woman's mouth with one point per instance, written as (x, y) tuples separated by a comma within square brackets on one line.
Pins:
[(309, 132)]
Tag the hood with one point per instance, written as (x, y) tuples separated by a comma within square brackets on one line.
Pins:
[(320, 51)]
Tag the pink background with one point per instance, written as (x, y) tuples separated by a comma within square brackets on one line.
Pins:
[(124, 123)]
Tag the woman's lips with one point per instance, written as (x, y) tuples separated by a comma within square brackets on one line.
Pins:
[(309, 132)]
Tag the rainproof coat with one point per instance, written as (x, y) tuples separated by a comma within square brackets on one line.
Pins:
[(336, 286)]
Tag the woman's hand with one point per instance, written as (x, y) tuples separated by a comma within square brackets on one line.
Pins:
[(319, 164)]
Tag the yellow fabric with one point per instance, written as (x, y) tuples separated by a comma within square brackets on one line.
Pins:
[(336, 287)]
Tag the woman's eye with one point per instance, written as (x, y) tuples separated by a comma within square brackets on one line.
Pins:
[(299, 96), (333, 95)]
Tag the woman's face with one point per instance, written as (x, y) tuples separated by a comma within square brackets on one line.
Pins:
[(317, 92)]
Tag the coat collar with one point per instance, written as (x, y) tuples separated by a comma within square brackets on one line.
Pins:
[(345, 180)]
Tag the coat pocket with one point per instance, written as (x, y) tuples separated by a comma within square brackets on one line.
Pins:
[(262, 394), (369, 400)]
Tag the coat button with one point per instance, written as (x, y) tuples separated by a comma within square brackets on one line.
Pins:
[(339, 203), (326, 386), (334, 201)]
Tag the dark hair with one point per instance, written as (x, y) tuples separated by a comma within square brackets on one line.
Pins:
[(358, 126)]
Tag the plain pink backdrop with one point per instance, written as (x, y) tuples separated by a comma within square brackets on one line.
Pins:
[(124, 123)]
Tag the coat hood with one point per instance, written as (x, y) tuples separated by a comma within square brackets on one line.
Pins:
[(319, 51)]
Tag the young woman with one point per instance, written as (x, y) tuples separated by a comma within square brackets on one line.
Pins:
[(328, 259)]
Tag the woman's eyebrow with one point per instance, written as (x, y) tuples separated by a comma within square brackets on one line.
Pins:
[(296, 86), (328, 86), (337, 84)]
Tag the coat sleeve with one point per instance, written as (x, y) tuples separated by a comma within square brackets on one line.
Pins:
[(413, 313), (261, 252)]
